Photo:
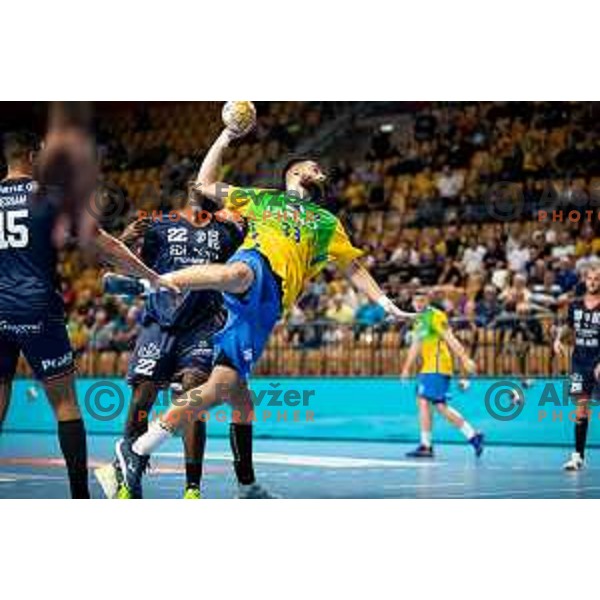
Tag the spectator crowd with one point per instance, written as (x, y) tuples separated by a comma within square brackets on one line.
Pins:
[(417, 200)]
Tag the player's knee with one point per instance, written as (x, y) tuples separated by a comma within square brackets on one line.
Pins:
[(192, 378), (238, 277)]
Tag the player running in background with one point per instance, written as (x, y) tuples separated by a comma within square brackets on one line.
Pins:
[(32, 316), (290, 238), (175, 341), (584, 322), (434, 343)]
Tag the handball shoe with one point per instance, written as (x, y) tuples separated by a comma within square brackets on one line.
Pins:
[(192, 493), (421, 451), (254, 491), (132, 466), (575, 463), (477, 442)]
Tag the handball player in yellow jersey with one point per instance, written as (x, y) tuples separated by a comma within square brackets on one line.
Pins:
[(290, 238), (434, 343)]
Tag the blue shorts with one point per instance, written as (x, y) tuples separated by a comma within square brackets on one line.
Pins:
[(251, 316), (433, 387), (161, 355), (45, 345)]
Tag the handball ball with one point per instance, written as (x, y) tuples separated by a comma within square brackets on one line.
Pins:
[(239, 115), (464, 385)]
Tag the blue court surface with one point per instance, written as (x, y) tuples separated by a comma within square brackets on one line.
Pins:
[(30, 467)]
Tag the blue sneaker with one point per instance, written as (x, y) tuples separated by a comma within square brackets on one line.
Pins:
[(477, 442), (421, 451), (132, 467)]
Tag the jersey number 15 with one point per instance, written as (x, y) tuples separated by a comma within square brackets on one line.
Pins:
[(13, 234)]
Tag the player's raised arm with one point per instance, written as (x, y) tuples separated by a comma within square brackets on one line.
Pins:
[(237, 125), (207, 182), (117, 253)]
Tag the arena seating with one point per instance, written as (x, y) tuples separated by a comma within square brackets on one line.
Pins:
[(418, 191)]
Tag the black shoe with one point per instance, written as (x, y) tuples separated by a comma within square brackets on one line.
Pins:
[(477, 441), (421, 451), (132, 467)]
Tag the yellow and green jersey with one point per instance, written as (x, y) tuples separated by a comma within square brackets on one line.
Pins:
[(297, 238), (429, 328)]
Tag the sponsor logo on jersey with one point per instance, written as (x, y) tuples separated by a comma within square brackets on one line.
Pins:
[(21, 328)]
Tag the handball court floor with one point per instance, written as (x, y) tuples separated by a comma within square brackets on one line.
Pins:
[(31, 467)]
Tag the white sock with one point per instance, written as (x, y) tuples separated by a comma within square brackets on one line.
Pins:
[(147, 443), (467, 430), (426, 438)]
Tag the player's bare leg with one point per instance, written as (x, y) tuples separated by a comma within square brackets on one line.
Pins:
[(223, 385), (455, 418), (582, 418), (5, 391), (425, 447), (142, 400), (71, 431)]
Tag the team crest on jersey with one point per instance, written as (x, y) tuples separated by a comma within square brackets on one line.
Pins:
[(150, 350)]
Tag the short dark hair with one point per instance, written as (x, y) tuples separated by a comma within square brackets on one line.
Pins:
[(18, 144), (292, 162)]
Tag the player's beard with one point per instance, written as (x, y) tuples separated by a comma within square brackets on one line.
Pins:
[(317, 192)]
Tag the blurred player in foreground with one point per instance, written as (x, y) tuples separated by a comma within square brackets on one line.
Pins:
[(290, 238), (584, 322), (32, 315), (174, 345), (434, 343)]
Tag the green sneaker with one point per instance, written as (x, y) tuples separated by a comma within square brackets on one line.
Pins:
[(123, 493), (192, 493)]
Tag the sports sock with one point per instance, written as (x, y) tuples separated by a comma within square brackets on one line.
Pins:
[(71, 436), (147, 443), (467, 430), (581, 429), (240, 437), (426, 438), (194, 442)]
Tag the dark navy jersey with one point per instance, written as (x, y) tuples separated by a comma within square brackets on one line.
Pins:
[(585, 324), (170, 245), (28, 279)]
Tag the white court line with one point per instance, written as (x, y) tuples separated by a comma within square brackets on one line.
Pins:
[(324, 462), (529, 493), (7, 480), (424, 486), (9, 476)]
